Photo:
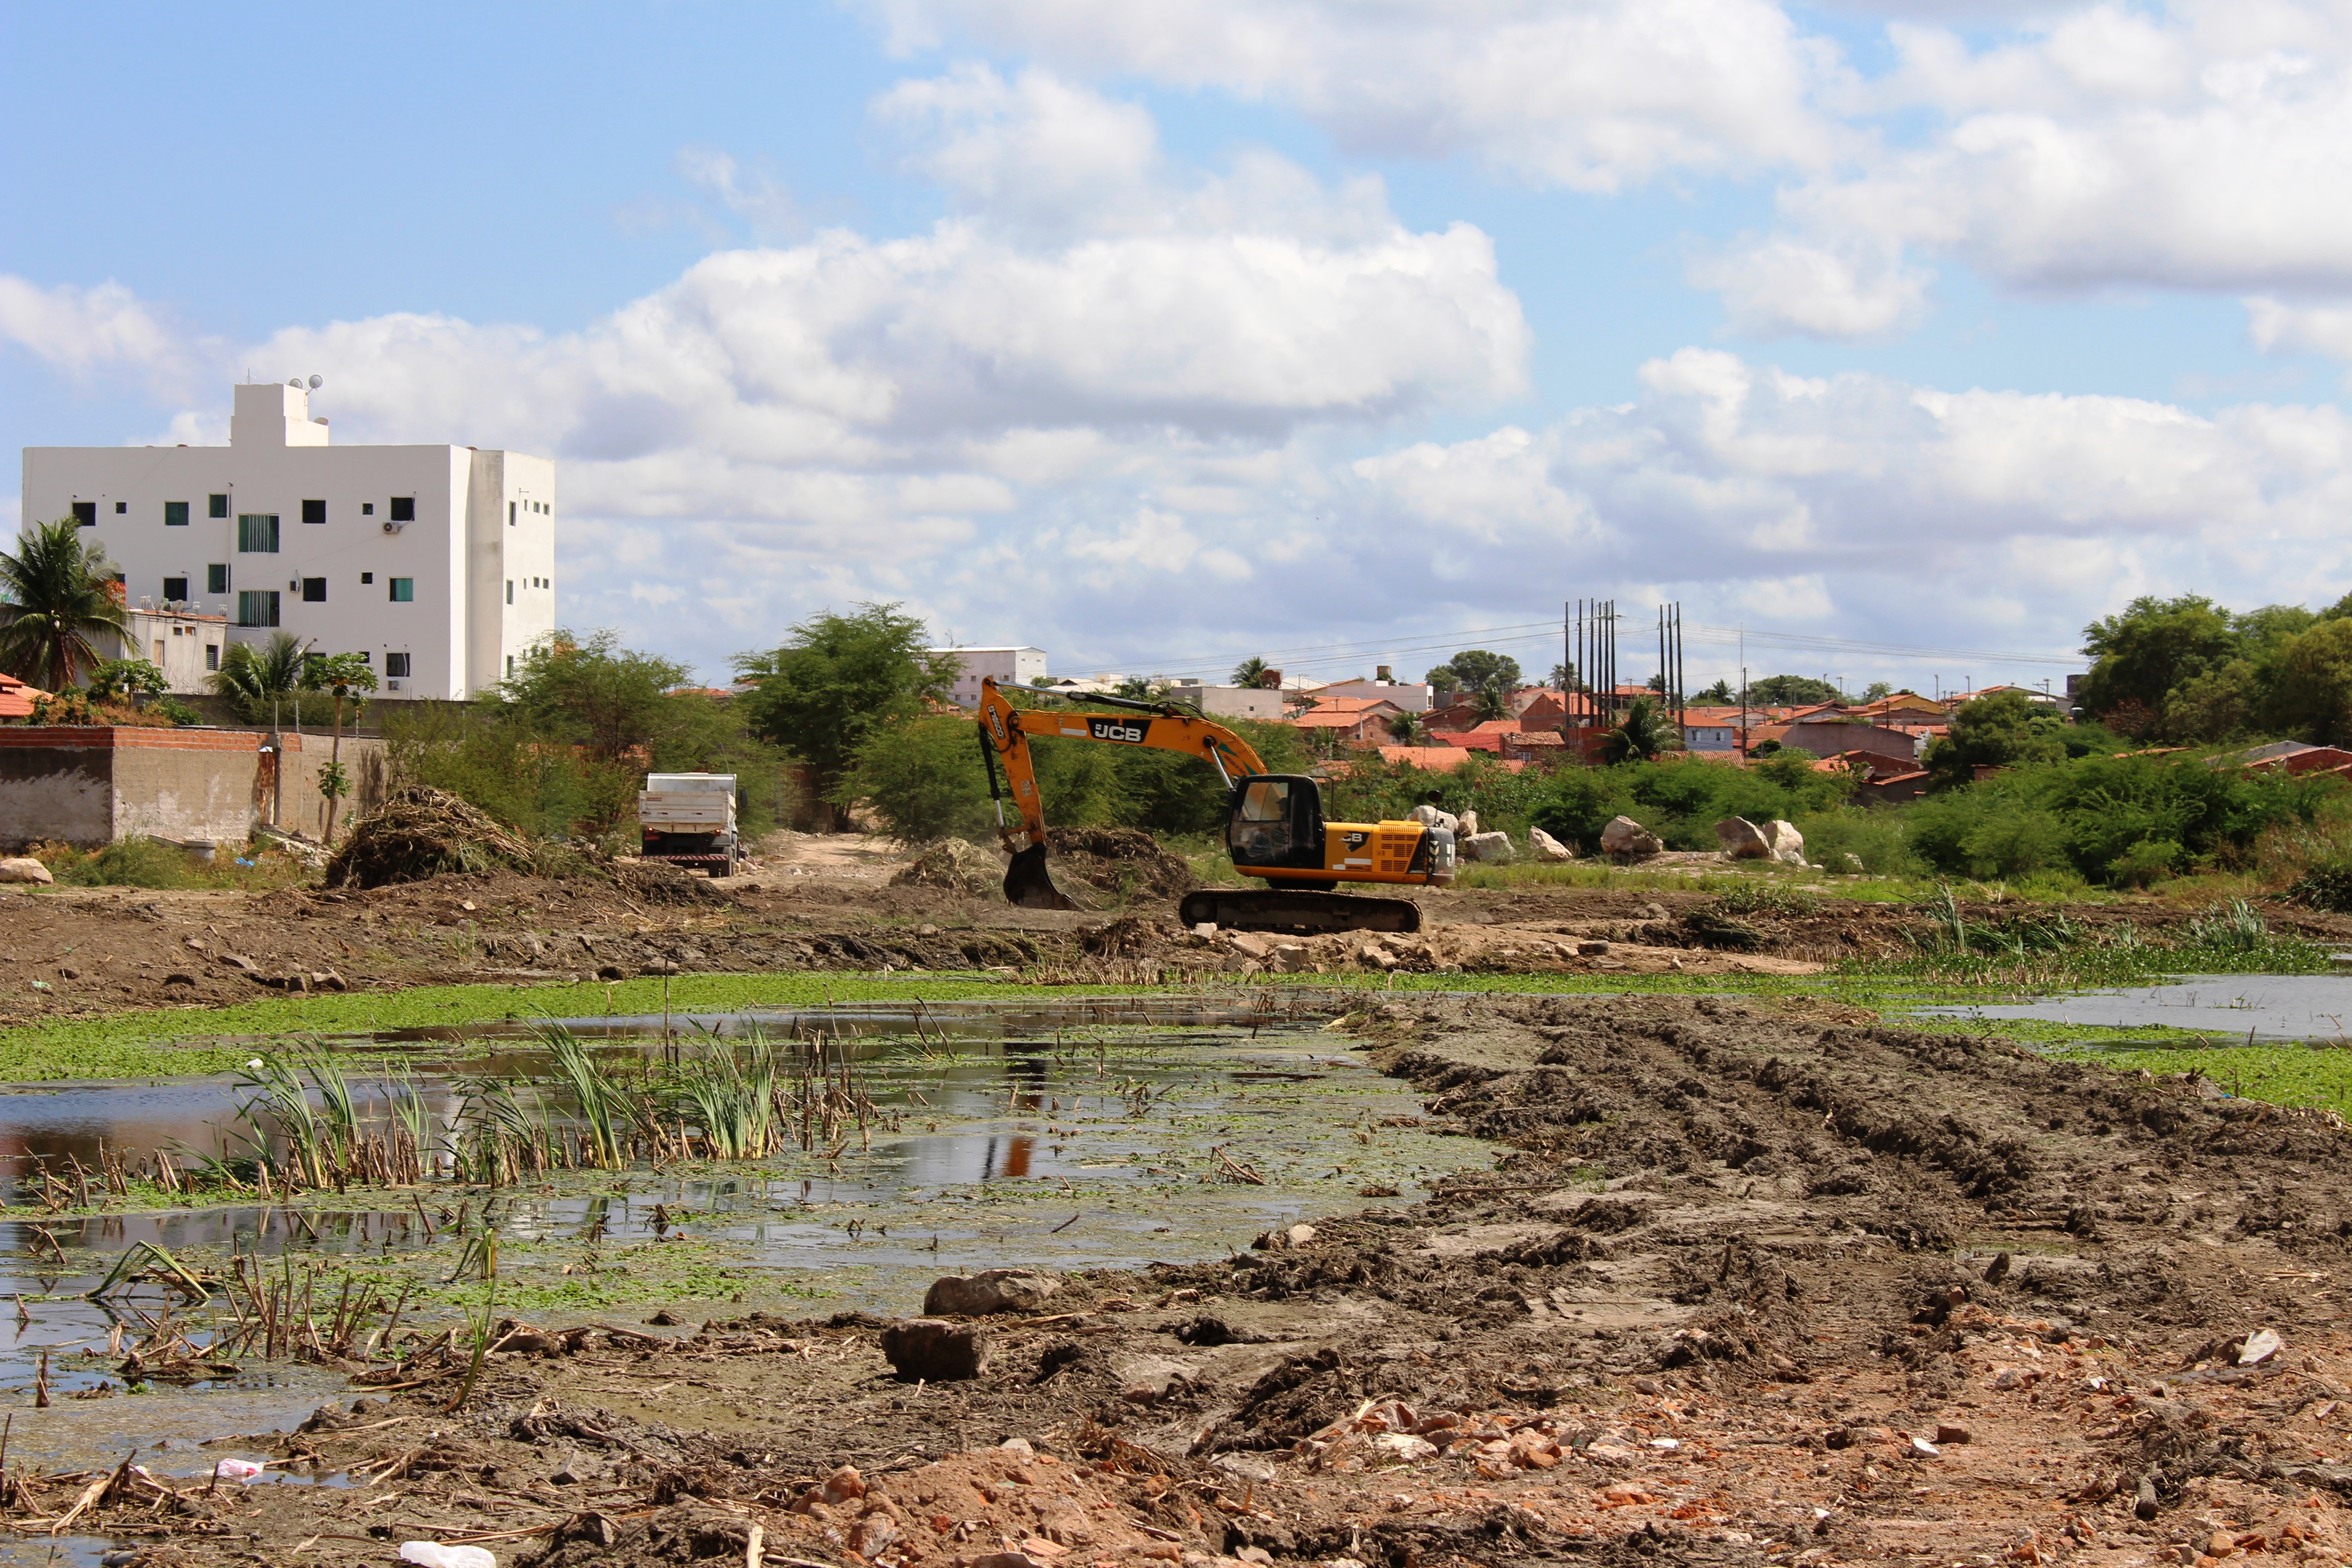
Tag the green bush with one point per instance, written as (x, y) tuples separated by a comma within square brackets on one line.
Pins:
[(2144, 862), (125, 863), (1876, 838)]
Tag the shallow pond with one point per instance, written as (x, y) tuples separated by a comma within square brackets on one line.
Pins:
[(1112, 1144), (2229, 1008)]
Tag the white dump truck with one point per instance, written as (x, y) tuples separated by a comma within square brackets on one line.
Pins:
[(689, 819)]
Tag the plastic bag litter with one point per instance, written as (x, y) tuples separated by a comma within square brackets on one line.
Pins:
[(238, 1469), (433, 1555)]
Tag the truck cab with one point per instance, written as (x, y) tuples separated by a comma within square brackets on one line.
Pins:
[(689, 820)]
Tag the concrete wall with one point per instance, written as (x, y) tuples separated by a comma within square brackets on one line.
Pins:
[(91, 785)]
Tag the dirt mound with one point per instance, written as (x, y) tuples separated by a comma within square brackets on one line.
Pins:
[(1119, 861), (954, 865), (421, 832), (659, 882)]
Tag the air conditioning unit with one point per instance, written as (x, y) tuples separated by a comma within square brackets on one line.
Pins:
[(392, 527)]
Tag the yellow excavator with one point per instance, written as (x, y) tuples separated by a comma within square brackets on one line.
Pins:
[(1274, 822)]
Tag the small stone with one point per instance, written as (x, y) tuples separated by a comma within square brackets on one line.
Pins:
[(1923, 1450), (1947, 1433), (326, 980), (844, 1485), (238, 961), (2220, 1544), (872, 1533), (2261, 1345), (990, 1291), (1997, 1270), (1018, 1446), (1592, 949), (1258, 1554), (1300, 1235), (1006, 1559), (2144, 1504), (930, 1349)]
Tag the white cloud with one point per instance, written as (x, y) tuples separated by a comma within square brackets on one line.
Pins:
[(87, 331), (2300, 329), (1778, 285), (1593, 96)]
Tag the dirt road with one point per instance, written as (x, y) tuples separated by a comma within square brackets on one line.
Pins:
[(1755, 1287)]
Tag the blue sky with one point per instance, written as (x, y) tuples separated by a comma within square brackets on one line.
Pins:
[(1162, 335)]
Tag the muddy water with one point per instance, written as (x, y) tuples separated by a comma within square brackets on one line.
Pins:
[(1063, 1145), (2228, 1007)]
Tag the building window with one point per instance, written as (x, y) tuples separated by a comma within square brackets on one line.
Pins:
[(216, 506), (211, 655), (257, 534), (121, 507), (404, 590), (396, 665), (510, 590), (175, 590), (367, 509), (403, 509), (314, 512), (314, 589), (257, 608), (85, 513), (367, 577), (217, 578), (511, 508), (509, 667), (175, 514)]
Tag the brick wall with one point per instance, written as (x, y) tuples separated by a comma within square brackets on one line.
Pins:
[(89, 784)]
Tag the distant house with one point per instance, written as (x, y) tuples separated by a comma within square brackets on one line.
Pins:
[(1229, 701), (1436, 759), (1889, 789), (1826, 737), (16, 698), (1410, 696), (1904, 708), (2295, 758), (1010, 666), (1356, 720)]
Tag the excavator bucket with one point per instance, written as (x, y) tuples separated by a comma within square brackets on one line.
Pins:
[(1027, 884)]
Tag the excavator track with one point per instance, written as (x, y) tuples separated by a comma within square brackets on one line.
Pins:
[(1301, 913)]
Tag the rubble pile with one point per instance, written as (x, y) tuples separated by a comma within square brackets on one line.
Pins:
[(421, 832), (1119, 861), (954, 865)]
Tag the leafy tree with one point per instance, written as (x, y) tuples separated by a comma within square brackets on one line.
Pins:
[(595, 693), (343, 674), (2214, 705), (1252, 671), (1443, 682), (1790, 691), (2312, 692), (2001, 731), (127, 679), (1142, 689), (836, 682), (1876, 689), (56, 594), (1640, 735), (1719, 695), (1407, 730), (1475, 669), (2153, 646)]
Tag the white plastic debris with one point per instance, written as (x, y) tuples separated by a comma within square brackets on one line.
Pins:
[(1923, 1450), (254, 1063), (238, 1469), (433, 1555), (2261, 1345), (1666, 1443)]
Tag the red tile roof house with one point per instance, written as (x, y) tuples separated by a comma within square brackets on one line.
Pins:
[(1436, 759), (1356, 720), (1826, 737), (2295, 757), (16, 698)]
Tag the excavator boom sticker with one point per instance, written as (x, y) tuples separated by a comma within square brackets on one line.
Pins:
[(1132, 732)]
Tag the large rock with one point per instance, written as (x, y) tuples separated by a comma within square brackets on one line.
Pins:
[(1628, 839), (1782, 842), (1494, 848), (1544, 846), (933, 1351), (25, 868), (1742, 839), (990, 1291), (1430, 816), (1468, 828)]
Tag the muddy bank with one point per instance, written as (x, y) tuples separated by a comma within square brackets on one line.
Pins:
[(1754, 1288)]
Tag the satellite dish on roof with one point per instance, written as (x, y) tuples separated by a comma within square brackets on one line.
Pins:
[(294, 381), (316, 382)]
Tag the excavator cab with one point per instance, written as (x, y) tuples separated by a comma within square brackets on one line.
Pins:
[(1277, 821)]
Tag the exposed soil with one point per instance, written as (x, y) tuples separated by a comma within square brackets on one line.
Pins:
[(820, 901), (1754, 1286)]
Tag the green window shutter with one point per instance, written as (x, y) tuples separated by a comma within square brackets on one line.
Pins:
[(404, 590), (217, 507), (256, 532), (175, 514), (216, 577)]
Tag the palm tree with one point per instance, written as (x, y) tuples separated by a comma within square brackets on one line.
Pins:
[(58, 593), (1642, 734), (1250, 672), (1407, 730), (249, 675)]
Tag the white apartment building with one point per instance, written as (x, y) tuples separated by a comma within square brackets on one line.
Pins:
[(1010, 666), (438, 564)]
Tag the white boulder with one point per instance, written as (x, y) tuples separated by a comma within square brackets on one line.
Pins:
[(1783, 843), (1494, 848), (1544, 846), (1469, 828), (1742, 839), (25, 868), (1430, 816), (1628, 839)]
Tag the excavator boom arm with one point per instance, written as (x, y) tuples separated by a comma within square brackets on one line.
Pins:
[(1004, 732)]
